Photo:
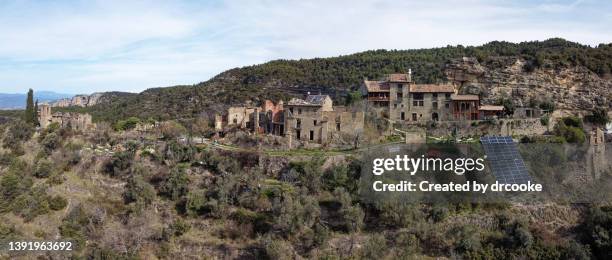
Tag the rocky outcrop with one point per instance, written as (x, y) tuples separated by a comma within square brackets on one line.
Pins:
[(79, 100), (571, 88)]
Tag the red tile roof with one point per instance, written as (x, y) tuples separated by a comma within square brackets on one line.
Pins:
[(376, 86), (432, 88), (398, 77)]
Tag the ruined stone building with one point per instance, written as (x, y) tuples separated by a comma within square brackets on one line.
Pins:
[(315, 119), (312, 119), (404, 101), (268, 118), (76, 121)]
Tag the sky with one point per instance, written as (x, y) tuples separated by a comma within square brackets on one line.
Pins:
[(79, 47)]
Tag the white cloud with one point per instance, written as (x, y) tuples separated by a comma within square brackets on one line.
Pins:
[(131, 46)]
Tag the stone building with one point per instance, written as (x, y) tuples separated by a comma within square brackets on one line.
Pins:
[(268, 118), (490, 111), (241, 117), (314, 119), (408, 102), (465, 107), (404, 101), (272, 117), (428, 102), (527, 112), (76, 121)]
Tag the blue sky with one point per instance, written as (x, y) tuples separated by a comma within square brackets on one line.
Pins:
[(89, 46)]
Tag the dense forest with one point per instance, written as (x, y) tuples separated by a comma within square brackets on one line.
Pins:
[(338, 76)]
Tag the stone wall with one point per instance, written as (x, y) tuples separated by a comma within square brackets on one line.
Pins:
[(512, 127)]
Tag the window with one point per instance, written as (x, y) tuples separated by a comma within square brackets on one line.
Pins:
[(291, 110), (399, 95), (297, 134), (447, 96), (299, 111), (337, 126), (434, 96), (417, 99), (311, 135), (434, 105), (314, 122), (399, 87), (394, 105), (402, 117), (298, 123), (414, 117), (447, 105)]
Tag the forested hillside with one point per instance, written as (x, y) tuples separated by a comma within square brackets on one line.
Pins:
[(339, 75)]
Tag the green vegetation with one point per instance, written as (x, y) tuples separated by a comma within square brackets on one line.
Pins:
[(599, 116), (570, 129), (30, 115)]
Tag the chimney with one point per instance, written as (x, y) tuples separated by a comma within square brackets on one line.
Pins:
[(410, 72)]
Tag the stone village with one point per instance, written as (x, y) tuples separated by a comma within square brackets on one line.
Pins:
[(315, 120)]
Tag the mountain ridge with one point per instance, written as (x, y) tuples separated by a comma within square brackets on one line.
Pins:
[(338, 76)]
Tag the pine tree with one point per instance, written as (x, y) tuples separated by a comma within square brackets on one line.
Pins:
[(29, 112)]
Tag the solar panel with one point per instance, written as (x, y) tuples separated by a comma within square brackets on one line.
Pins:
[(505, 161)]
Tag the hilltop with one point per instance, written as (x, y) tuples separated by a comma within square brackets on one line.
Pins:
[(554, 63)]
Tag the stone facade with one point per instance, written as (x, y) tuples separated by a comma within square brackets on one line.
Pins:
[(312, 120), (316, 120), (406, 102), (76, 121)]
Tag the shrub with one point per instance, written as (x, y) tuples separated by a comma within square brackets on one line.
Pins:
[(567, 129), (545, 120), (196, 202), (57, 203), (276, 248), (31, 204), (43, 169), (180, 227), (74, 226), (572, 121), (50, 142), (18, 133), (127, 124), (439, 213), (138, 191), (597, 231), (375, 247), (175, 186), (599, 116), (119, 163)]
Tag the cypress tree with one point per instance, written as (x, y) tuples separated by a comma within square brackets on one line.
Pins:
[(36, 113), (29, 112)]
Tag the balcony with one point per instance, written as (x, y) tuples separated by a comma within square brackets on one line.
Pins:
[(381, 98)]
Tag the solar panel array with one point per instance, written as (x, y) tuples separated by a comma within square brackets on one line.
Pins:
[(504, 159)]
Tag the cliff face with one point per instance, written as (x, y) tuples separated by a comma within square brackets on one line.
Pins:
[(571, 88), (79, 100)]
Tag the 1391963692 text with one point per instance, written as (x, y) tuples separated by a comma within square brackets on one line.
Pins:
[(39, 246)]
